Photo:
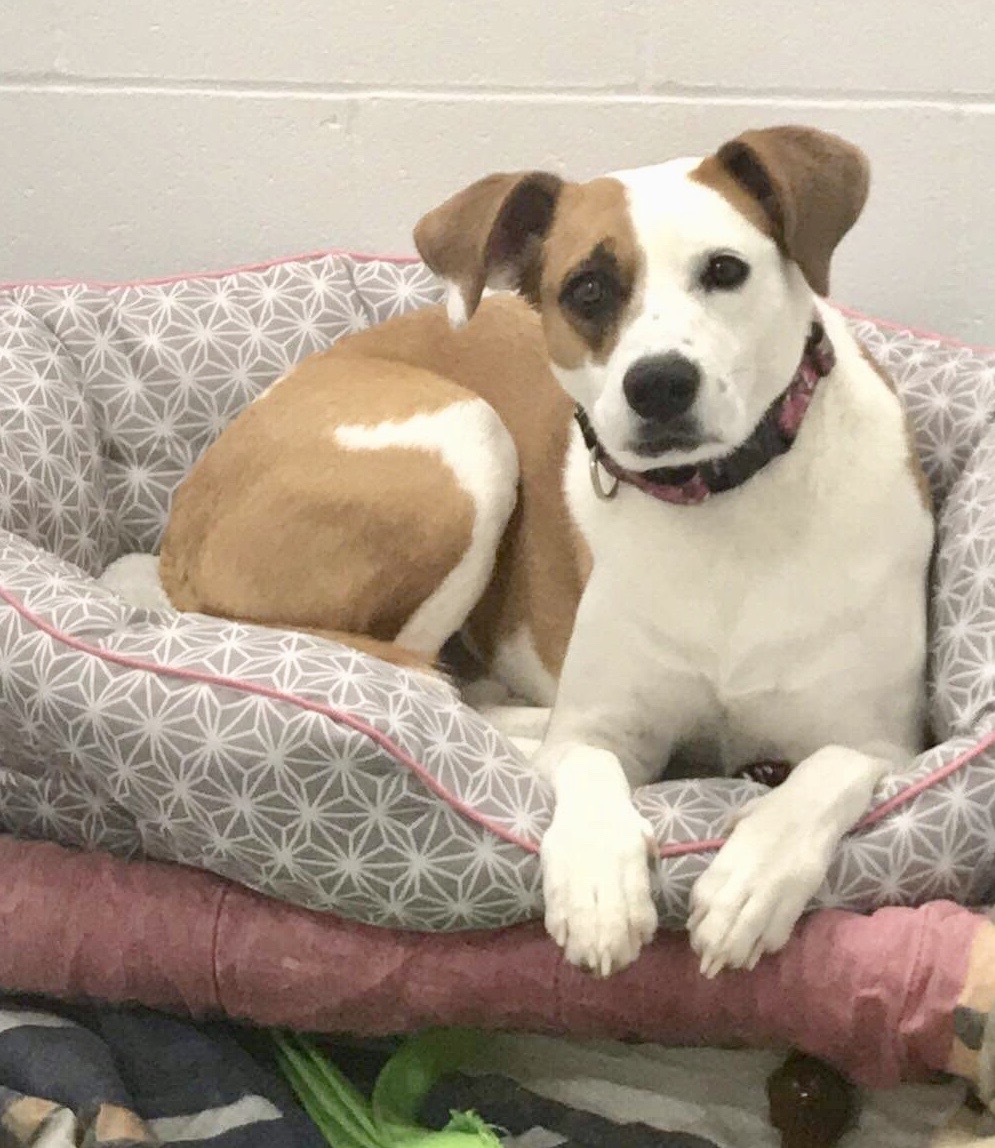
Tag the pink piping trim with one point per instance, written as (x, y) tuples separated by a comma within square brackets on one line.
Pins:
[(927, 782), (333, 252), (878, 813), (335, 715), (918, 332), (678, 849)]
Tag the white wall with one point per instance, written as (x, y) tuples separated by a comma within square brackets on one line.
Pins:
[(143, 138)]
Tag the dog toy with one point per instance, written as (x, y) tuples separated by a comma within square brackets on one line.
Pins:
[(389, 1119), (811, 1104)]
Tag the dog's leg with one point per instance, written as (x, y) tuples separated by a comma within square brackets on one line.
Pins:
[(595, 859), (476, 447), (523, 726), (518, 721), (748, 900), (616, 713)]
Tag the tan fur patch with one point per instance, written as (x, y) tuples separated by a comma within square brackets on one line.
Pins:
[(711, 172), (915, 465), (588, 216), (542, 563), (280, 525)]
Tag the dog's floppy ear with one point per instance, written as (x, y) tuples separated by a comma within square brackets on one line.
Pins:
[(811, 185), (489, 234)]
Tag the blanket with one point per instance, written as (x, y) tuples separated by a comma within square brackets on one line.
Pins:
[(126, 1078), (589, 1094), (107, 1077)]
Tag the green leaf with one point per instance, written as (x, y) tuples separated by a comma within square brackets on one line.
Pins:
[(341, 1112), (347, 1120)]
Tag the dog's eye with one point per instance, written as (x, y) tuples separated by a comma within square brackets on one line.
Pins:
[(589, 295), (724, 273)]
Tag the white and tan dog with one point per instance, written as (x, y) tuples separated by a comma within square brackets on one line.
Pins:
[(725, 558)]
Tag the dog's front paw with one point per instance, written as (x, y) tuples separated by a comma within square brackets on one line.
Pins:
[(749, 899), (596, 884)]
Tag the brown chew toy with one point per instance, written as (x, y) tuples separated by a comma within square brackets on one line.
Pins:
[(811, 1104)]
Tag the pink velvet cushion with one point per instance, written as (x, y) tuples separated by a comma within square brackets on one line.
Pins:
[(874, 995)]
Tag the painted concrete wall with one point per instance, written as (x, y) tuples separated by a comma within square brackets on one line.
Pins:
[(143, 138)]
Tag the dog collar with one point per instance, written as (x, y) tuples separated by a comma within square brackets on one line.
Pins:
[(772, 436)]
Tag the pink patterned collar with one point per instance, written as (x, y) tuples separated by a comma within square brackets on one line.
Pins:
[(772, 436)]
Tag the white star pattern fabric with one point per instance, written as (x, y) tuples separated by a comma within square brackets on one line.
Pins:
[(314, 773)]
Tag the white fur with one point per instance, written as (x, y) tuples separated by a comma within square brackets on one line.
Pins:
[(135, 578), (523, 725), (596, 880), (748, 900), (784, 619), (455, 306), (527, 746), (747, 343), (528, 722), (475, 446), (486, 693), (517, 663)]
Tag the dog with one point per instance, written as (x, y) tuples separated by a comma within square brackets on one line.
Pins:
[(643, 467)]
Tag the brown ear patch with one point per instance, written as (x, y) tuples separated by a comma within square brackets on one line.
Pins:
[(491, 233), (711, 172), (810, 186), (593, 229)]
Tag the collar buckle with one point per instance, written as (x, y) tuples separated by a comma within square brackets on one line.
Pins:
[(605, 493)]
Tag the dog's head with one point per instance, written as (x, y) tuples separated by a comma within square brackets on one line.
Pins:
[(676, 299)]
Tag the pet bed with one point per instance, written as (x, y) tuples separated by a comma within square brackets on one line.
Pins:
[(313, 773)]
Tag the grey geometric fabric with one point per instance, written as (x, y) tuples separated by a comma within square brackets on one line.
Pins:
[(309, 771)]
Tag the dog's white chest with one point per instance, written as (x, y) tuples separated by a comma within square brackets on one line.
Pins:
[(791, 603)]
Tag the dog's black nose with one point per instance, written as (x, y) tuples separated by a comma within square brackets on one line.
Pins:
[(661, 387)]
